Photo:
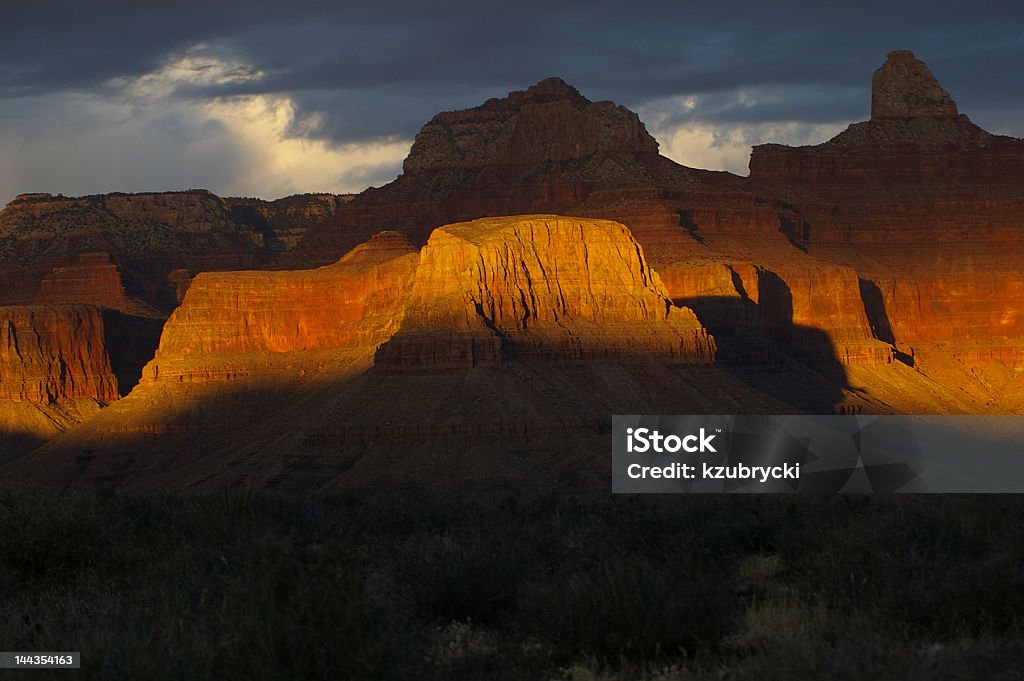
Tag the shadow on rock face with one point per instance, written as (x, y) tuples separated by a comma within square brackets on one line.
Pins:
[(759, 344)]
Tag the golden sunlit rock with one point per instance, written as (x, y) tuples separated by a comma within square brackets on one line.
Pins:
[(540, 286), (354, 303)]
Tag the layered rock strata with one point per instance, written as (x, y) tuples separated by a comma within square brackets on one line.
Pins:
[(926, 207), (356, 302), (93, 279), (148, 236), (540, 287), (497, 363), (50, 354)]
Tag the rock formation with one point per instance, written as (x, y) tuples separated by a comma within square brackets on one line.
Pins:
[(915, 131), (54, 373), (544, 149), (54, 353), (354, 303), (93, 279), (540, 287), (880, 270), (550, 150), (549, 122), (147, 236), (904, 87), (925, 207)]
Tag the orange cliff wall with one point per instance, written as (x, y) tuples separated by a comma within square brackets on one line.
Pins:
[(535, 286), (225, 316), (539, 286), (53, 353), (978, 316), (814, 311), (926, 207)]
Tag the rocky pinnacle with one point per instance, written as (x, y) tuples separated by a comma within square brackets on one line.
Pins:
[(904, 87)]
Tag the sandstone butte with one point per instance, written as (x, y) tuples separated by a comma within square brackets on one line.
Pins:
[(880, 270), (539, 287)]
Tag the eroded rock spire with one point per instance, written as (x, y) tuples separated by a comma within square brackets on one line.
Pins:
[(904, 87)]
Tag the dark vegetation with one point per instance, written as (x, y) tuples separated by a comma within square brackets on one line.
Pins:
[(239, 585)]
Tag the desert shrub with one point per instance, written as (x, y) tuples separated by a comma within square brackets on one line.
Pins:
[(630, 608), (240, 584)]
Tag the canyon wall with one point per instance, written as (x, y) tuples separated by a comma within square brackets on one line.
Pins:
[(146, 236), (567, 272), (53, 353), (926, 207)]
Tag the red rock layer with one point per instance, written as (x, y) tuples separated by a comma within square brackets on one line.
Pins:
[(754, 311), (535, 286), (148, 236), (926, 207), (93, 280), (49, 354), (357, 302), (983, 307)]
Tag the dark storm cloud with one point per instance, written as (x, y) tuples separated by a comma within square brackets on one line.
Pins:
[(359, 73), (382, 69)]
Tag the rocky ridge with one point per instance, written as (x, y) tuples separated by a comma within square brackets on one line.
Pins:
[(147, 236)]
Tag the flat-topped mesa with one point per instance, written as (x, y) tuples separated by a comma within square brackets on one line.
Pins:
[(225, 316), (93, 279), (550, 121), (543, 287), (904, 87)]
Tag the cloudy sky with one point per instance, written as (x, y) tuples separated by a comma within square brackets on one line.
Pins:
[(260, 98)]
